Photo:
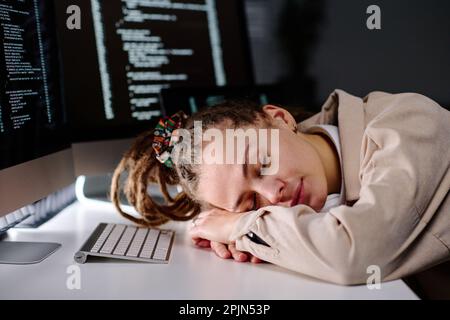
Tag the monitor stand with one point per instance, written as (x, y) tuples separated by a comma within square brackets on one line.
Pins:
[(15, 252), (97, 188)]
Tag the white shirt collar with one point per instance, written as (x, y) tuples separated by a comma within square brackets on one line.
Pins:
[(332, 132)]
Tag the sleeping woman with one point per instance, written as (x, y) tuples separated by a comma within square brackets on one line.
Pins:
[(363, 183)]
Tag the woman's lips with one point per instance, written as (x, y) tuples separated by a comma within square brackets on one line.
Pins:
[(299, 196)]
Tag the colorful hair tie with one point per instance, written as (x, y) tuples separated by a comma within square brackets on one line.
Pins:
[(162, 135)]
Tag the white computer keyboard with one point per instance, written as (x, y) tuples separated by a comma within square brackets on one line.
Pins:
[(121, 241)]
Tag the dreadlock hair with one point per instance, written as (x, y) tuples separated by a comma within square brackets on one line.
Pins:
[(142, 168)]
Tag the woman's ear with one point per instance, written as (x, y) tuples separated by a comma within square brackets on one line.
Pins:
[(280, 116)]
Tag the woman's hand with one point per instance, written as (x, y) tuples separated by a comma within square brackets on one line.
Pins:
[(213, 229), (214, 225)]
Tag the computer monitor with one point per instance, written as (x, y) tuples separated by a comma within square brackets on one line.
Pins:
[(35, 155), (192, 99), (127, 51)]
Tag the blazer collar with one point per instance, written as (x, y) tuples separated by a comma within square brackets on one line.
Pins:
[(347, 112)]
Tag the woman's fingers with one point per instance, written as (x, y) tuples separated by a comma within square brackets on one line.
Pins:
[(203, 243), (254, 259), (226, 251), (221, 250), (237, 255)]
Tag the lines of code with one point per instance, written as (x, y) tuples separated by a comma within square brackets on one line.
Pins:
[(23, 72), (147, 45)]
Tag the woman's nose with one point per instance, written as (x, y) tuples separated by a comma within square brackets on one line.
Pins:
[(272, 191)]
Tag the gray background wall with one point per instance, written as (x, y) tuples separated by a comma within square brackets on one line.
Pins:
[(318, 45)]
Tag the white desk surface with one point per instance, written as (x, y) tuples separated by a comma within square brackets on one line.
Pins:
[(192, 273)]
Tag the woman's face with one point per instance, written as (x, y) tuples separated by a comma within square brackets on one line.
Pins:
[(300, 178)]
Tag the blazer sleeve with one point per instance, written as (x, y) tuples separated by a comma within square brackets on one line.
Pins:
[(399, 170)]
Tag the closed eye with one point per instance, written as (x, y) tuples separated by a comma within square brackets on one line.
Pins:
[(258, 174)]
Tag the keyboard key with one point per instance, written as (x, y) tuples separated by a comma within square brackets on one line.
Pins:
[(102, 238), (138, 240), (149, 244), (124, 242), (113, 238), (160, 254), (162, 247)]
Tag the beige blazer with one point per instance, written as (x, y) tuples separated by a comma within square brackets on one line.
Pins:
[(396, 168)]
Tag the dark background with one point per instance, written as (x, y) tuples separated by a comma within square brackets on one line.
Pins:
[(315, 46)]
